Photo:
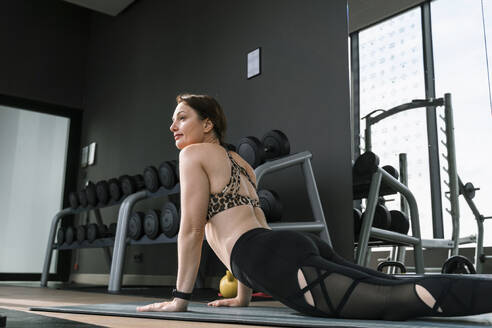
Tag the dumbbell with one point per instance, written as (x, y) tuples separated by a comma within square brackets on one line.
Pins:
[(112, 229), (366, 164), (69, 235), (131, 184), (399, 222), (151, 223), (382, 217), (73, 199), (392, 171), (135, 230), (273, 144), (270, 204), (81, 233), (60, 235), (95, 231), (170, 219), (90, 193), (82, 198), (151, 178), (115, 191), (167, 176), (102, 192)]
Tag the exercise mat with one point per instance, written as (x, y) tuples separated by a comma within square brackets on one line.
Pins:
[(263, 315)]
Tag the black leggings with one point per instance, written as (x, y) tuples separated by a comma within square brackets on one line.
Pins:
[(269, 261)]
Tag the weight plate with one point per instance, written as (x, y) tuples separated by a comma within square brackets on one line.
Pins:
[(366, 164), (92, 232), (458, 264), (399, 222), (175, 165), (276, 144), (82, 198), (115, 189), (270, 204), (469, 190), (169, 219), (73, 199), (151, 223), (69, 234), (135, 230), (151, 178), (60, 236), (167, 175), (102, 192), (80, 233), (251, 150), (90, 193)]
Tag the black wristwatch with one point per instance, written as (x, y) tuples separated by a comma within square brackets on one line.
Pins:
[(178, 294)]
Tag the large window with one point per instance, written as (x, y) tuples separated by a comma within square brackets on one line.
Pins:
[(460, 63), (391, 72)]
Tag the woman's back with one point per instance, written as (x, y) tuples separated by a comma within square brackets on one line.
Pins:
[(224, 228)]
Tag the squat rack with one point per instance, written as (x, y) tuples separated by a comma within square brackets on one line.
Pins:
[(452, 183)]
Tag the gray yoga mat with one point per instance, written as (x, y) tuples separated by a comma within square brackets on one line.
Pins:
[(262, 315)]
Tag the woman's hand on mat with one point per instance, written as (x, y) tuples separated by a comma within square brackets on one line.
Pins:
[(176, 305), (229, 302)]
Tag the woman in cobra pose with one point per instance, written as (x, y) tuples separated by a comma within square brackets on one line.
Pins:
[(219, 201)]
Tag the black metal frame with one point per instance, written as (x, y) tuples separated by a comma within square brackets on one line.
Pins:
[(72, 160)]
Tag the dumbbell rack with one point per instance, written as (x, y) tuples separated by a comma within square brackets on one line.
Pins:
[(303, 159), (368, 231), (102, 242), (451, 244)]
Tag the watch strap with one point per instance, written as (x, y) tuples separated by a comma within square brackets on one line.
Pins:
[(178, 294)]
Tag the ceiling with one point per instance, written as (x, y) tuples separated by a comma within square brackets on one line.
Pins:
[(109, 7), (362, 13)]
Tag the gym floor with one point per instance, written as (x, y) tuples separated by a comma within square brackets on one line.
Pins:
[(17, 298)]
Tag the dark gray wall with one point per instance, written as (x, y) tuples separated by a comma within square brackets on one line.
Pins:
[(140, 60), (43, 51)]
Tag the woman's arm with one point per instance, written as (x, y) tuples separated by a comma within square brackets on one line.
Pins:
[(195, 193)]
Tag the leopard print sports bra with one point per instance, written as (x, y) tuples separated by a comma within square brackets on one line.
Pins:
[(229, 196)]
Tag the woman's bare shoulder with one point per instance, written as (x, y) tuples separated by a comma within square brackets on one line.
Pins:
[(201, 151)]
